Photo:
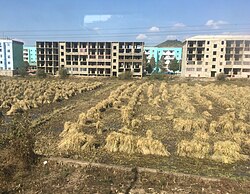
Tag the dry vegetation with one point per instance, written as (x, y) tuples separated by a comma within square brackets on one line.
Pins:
[(172, 126), (21, 95)]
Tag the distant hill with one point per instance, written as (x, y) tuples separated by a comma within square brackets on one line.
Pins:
[(170, 43)]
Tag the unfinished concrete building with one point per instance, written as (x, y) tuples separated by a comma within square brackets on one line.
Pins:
[(91, 58), (206, 56)]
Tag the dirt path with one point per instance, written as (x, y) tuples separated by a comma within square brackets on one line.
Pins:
[(73, 162)]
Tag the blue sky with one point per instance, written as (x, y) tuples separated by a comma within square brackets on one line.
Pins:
[(151, 21)]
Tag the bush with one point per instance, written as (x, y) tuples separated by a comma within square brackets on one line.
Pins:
[(63, 73), (41, 73), (161, 76), (221, 77), (126, 75)]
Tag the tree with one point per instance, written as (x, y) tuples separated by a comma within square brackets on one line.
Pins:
[(145, 61), (174, 65), (41, 73), (149, 68), (152, 62), (63, 73), (161, 64), (23, 69)]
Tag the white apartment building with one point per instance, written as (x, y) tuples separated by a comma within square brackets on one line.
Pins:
[(91, 58), (206, 56), (11, 56)]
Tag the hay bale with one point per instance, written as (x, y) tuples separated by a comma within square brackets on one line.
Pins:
[(149, 146), (213, 127), (201, 135), (76, 142), (193, 149), (135, 123), (130, 144), (73, 140), (227, 152), (118, 142)]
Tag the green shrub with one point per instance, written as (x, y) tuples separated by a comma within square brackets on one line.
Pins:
[(126, 75), (221, 77), (63, 73), (40, 73)]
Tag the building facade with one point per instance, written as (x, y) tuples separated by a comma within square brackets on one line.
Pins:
[(11, 56), (206, 56), (91, 58), (29, 55), (168, 53)]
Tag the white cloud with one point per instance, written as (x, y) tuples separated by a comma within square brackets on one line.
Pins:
[(215, 24), (141, 37), (179, 25), (88, 19), (154, 29), (96, 29)]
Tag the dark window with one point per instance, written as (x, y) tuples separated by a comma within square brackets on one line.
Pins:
[(221, 56), (206, 56), (62, 53), (114, 60), (62, 47), (215, 45), (221, 49), (114, 54), (207, 49), (214, 53), (214, 59), (62, 60), (114, 47), (208, 42), (222, 42), (213, 66)]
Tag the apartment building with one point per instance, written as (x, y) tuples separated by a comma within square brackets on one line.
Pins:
[(168, 53), (206, 56), (29, 55), (91, 58), (11, 56)]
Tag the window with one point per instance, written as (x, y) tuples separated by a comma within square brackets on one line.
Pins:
[(114, 47), (114, 67), (114, 54), (114, 60), (214, 52), (8, 50), (75, 69), (214, 59), (190, 69), (221, 49), (220, 70), (1, 62), (207, 49), (62, 53), (222, 42), (8, 62), (83, 69), (62, 60), (221, 56), (8, 56), (215, 45), (205, 70), (0, 50), (220, 63), (198, 69), (247, 56), (62, 47), (206, 63), (213, 66), (207, 56), (208, 42)]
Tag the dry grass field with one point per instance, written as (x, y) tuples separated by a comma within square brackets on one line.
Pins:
[(197, 128)]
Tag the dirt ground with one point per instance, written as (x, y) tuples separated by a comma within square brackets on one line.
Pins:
[(49, 176)]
